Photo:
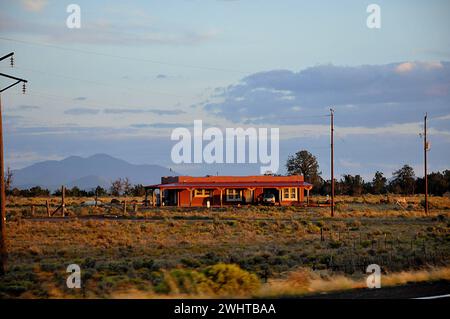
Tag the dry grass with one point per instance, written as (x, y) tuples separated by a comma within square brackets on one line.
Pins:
[(141, 258), (304, 281)]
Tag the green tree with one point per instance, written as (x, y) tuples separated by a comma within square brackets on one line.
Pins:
[(379, 183), (74, 191), (100, 191), (138, 190), (304, 163), (437, 184), (404, 180), (352, 185)]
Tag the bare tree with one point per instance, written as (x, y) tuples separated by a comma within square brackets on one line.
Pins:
[(116, 187), (126, 185), (8, 180)]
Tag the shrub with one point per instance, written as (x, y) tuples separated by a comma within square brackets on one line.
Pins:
[(335, 244), (146, 263), (230, 279), (190, 262), (189, 282), (354, 225), (313, 229)]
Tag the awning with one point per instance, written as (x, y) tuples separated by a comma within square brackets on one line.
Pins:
[(213, 185)]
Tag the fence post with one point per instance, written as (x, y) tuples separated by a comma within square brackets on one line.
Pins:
[(321, 233), (63, 201), (124, 207), (47, 205), (32, 210)]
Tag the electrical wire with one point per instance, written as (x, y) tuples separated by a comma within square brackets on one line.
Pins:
[(129, 58)]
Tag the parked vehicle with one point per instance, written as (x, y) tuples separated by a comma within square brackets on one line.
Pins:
[(268, 199)]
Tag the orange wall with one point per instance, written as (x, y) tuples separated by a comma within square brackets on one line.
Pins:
[(201, 201)]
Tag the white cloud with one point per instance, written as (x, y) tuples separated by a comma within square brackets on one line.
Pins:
[(366, 95), (410, 66), (405, 67), (444, 117), (296, 131), (349, 163), (34, 5)]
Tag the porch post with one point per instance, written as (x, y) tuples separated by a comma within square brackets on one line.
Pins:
[(161, 193), (178, 198), (307, 196), (252, 190), (221, 202), (145, 199), (190, 197), (280, 193), (153, 198)]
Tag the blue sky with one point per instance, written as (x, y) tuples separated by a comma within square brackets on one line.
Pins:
[(137, 69)]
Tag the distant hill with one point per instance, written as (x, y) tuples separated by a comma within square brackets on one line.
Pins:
[(87, 173)]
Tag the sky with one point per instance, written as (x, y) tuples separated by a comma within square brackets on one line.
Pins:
[(135, 70)]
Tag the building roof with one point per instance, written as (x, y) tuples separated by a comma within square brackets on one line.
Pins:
[(231, 184), (240, 179)]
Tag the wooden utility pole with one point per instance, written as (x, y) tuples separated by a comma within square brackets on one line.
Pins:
[(332, 160), (425, 149), (3, 250)]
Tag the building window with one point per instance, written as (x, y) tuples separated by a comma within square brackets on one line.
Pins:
[(290, 193), (233, 195), (203, 193)]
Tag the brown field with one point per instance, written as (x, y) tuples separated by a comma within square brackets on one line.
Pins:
[(238, 252)]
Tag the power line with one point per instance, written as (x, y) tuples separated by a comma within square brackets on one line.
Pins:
[(97, 82), (96, 103), (122, 57)]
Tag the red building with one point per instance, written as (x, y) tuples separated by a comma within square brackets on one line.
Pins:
[(186, 191)]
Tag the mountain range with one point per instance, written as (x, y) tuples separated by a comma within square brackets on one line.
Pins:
[(86, 173)]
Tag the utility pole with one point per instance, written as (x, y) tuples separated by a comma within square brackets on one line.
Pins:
[(3, 250), (425, 149), (332, 161)]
